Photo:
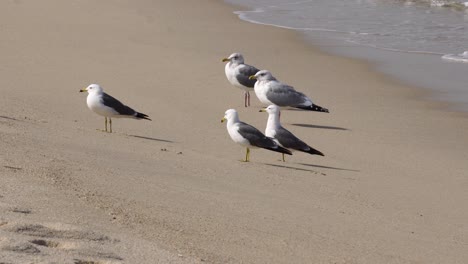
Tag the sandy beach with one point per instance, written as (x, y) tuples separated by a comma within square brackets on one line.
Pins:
[(392, 187)]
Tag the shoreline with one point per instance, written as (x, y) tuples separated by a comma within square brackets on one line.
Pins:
[(392, 63), (389, 188)]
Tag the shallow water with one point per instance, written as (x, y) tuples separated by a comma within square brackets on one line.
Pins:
[(420, 42)]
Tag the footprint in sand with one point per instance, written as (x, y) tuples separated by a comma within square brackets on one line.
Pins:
[(79, 261), (25, 248), (21, 210), (81, 246), (45, 243), (43, 231)]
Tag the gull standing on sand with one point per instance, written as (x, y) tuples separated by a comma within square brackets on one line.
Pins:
[(248, 136), (282, 136), (103, 104), (238, 73), (271, 91)]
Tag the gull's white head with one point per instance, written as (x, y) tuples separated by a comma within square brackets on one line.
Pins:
[(230, 115), (263, 75), (272, 110), (93, 89), (274, 115), (235, 58)]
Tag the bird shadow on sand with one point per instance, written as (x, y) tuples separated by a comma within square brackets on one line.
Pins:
[(327, 167), (321, 127), (295, 168), (151, 138)]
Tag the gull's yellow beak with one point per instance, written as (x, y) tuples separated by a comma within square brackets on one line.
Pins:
[(252, 77), (262, 110), (225, 59), (83, 90), (224, 119)]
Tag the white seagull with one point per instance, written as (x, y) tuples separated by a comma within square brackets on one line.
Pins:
[(103, 104), (271, 91), (238, 73), (248, 136), (282, 136)]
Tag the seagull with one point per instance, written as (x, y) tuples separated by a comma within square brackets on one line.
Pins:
[(248, 136), (238, 74), (103, 104), (282, 136), (271, 91)]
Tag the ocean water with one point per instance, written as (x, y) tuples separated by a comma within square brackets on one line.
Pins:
[(420, 42)]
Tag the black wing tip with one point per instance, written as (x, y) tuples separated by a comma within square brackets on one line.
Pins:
[(277, 149), (315, 108), (287, 151), (318, 108), (283, 150), (313, 151), (143, 116)]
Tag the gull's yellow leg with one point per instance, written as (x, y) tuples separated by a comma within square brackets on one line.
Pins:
[(283, 157), (110, 124), (105, 126), (247, 155)]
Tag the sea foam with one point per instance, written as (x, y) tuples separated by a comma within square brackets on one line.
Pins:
[(463, 57)]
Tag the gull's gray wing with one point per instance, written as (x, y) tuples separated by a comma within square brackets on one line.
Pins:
[(289, 140), (115, 104), (285, 95), (258, 139), (255, 137), (244, 72)]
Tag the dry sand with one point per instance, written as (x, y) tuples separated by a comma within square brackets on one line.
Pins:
[(392, 187)]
